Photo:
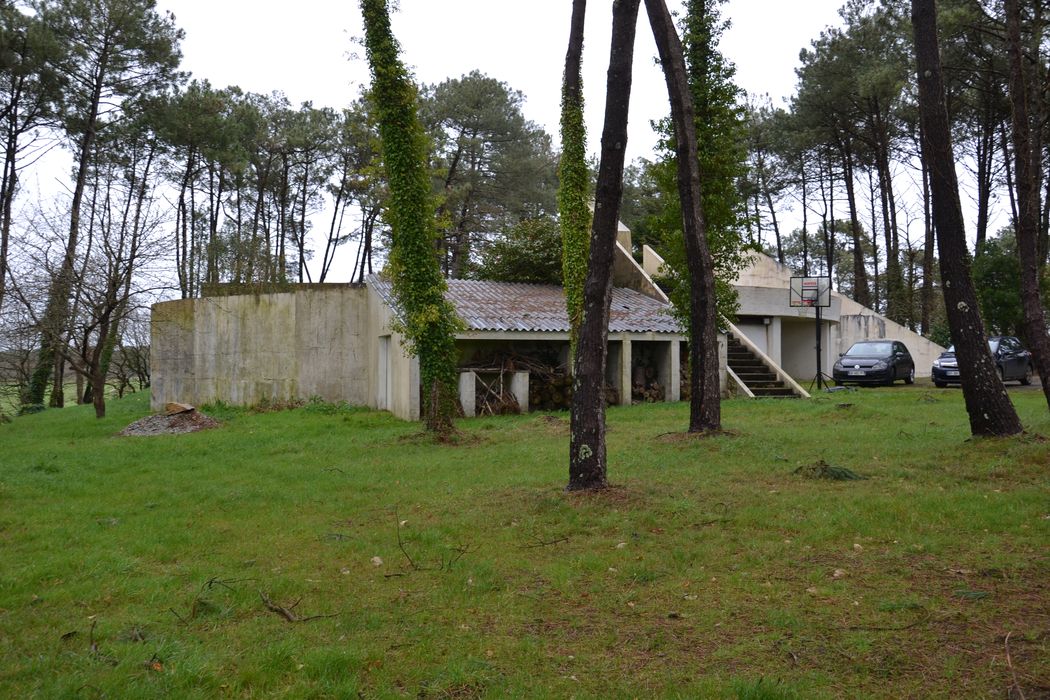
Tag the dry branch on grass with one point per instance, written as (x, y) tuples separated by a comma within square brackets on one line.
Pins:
[(457, 553), (538, 541), (288, 613)]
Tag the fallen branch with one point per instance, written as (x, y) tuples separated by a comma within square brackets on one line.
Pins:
[(540, 542), (1010, 664), (225, 583), (401, 544), (289, 613), (460, 551)]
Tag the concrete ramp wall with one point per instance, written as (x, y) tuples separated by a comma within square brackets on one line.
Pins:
[(858, 322), (249, 349)]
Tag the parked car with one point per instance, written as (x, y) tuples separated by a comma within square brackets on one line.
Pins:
[(1011, 359), (874, 362)]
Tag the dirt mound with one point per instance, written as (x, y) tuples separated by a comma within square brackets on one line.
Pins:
[(164, 424)]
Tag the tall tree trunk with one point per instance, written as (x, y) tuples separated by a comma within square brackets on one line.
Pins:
[(773, 217), (928, 244), (805, 215), (705, 412), (1008, 171), (894, 279), (985, 152), (587, 458), (7, 198), (987, 403), (1027, 165), (56, 314), (829, 233), (861, 289), (874, 244), (573, 177)]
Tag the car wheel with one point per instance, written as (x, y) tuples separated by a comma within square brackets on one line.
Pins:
[(1027, 378), (910, 378), (940, 385)]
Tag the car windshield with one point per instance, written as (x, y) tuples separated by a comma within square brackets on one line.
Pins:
[(870, 349), (993, 346)]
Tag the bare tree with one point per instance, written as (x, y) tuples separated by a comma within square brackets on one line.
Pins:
[(587, 457), (117, 51)]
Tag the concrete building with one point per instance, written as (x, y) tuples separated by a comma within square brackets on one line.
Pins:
[(787, 336), (339, 342)]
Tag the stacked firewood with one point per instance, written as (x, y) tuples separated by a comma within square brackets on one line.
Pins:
[(550, 385), (648, 392), (492, 396), (644, 385), (550, 393)]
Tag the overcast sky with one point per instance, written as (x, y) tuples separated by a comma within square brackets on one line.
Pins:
[(307, 50), (310, 50)]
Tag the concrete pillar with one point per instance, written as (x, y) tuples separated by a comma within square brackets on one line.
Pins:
[(774, 338), (625, 372), (519, 387), (467, 394), (674, 383), (723, 362)]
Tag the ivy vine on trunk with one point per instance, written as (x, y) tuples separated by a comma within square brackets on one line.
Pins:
[(587, 465), (573, 176), (429, 322)]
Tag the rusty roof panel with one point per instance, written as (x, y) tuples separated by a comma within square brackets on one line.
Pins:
[(512, 306)]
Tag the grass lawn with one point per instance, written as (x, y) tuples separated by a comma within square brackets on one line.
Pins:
[(138, 567)]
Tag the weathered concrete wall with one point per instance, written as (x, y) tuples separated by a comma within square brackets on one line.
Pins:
[(249, 349), (799, 348), (393, 380), (628, 273), (861, 323), (172, 356), (773, 301)]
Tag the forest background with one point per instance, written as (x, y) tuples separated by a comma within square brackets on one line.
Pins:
[(191, 155)]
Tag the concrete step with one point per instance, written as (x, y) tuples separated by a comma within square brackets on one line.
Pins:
[(746, 377), (783, 393)]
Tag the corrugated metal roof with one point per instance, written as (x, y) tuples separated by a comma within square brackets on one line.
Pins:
[(513, 306)]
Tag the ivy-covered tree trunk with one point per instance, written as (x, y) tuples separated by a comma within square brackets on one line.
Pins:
[(1028, 168), (987, 403), (429, 321), (573, 177), (705, 411), (587, 463)]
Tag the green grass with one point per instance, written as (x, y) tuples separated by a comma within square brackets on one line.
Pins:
[(133, 567)]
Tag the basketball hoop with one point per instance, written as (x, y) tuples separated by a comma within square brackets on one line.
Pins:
[(812, 293)]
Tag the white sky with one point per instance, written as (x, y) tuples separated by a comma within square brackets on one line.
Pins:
[(306, 50)]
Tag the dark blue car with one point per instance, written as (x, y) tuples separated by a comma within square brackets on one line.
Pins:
[(1011, 359), (874, 362)]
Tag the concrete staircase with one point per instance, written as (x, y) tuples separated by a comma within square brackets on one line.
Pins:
[(753, 372)]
